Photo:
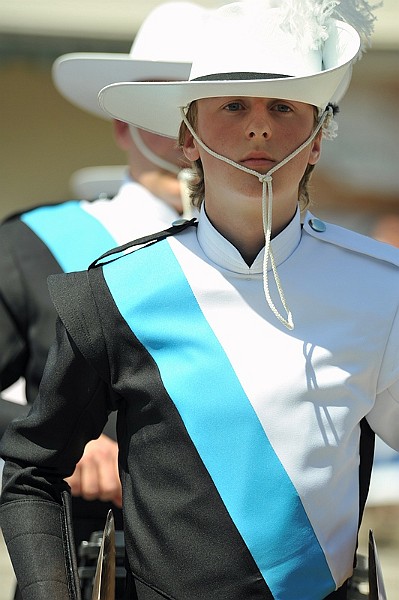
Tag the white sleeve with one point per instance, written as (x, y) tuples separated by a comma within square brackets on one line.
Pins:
[(384, 417)]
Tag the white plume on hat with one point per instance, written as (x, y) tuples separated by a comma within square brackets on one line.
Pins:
[(314, 31), (161, 50), (300, 50)]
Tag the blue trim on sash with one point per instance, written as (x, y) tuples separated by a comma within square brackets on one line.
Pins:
[(73, 236), (256, 490)]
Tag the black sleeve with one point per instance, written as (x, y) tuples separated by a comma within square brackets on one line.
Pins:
[(13, 311), (41, 450), (71, 409), (9, 411), (16, 302), (13, 319)]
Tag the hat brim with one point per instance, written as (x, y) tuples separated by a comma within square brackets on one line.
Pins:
[(79, 77), (156, 106)]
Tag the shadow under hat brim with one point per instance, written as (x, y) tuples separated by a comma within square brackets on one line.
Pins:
[(156, 106), (79, 77)]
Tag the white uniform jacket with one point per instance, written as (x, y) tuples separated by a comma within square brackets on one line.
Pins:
[(244, 447)]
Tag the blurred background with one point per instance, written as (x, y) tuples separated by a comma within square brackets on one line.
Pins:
[(44, 140)]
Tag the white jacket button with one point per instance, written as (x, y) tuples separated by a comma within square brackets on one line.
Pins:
[(317, 225)]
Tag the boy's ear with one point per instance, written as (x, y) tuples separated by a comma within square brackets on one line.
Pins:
[(189, 147), (121, 134), (315, 149)]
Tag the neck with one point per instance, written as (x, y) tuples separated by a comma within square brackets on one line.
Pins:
[(161, 184), (241, 222), (248, 239)]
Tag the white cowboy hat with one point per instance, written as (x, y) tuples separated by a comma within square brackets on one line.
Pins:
[(160, 51), (258, 48)]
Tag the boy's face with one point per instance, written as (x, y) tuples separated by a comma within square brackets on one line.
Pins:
[(257, 133)]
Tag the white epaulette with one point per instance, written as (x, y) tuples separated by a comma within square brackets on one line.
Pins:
[(350, 240)]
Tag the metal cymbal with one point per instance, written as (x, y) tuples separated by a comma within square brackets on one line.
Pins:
[(376, 583), (104, 579)]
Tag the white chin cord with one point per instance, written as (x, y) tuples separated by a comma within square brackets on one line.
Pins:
[(184, 176), (267, 211)]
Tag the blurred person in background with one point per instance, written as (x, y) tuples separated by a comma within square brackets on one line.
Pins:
[(67, 236), (386, 229)]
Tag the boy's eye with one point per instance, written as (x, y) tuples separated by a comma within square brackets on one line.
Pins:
[(233, 106), (282, 107)]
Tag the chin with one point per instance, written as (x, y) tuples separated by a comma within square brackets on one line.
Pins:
[(253, 191)]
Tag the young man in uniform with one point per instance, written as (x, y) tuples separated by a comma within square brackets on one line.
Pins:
[(250, 358)]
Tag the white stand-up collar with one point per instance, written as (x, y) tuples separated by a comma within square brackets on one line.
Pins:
[(220, 251)]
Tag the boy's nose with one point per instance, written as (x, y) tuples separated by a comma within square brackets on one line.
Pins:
[(258, 123)]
